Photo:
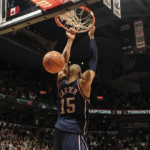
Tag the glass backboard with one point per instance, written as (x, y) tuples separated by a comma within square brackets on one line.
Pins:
[(25, 7)]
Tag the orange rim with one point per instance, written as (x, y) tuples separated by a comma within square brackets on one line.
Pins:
[(86, 9)]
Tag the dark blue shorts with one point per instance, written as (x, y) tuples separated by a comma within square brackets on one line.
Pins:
[(69, 141)]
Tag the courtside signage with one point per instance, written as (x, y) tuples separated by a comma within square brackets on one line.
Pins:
[(47, 4), (99, 111), (119, 112), (136, 112)]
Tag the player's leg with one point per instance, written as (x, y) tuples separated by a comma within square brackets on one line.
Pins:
[(83, 143), (72, 141), (58, 139)]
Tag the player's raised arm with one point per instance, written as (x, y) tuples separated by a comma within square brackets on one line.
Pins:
[(89, 75), (66, 53)]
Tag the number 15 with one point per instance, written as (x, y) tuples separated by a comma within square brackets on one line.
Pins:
[(70, 107)]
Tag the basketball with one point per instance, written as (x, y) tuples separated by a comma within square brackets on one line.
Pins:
[(53, 62)]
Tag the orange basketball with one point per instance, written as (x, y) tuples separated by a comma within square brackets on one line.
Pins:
[(53, 62)]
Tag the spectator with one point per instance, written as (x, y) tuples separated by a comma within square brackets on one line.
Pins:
[(25, 137), (28, 86)]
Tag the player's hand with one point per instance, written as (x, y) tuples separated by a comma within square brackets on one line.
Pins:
[(91, 32), (71, 33)]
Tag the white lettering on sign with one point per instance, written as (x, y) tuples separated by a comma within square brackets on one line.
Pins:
[(138, 111), (43, 3), (94, 111), (47, 4)]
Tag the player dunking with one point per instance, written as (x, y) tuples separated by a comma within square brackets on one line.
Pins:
[(74, 94)]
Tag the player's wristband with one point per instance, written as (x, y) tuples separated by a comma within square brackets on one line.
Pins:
[(94, 55)]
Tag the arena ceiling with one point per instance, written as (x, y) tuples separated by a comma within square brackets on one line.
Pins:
[(107, 33), (108, 25)]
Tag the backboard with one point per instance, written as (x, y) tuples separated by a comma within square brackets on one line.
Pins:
[(16, 14)]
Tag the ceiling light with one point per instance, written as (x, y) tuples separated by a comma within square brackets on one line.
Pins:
[(140, 51), (34, 31), (103, 121), (131, 52), (49, 113), (82, 63), (41, 117), (69, 62), (12, 107)]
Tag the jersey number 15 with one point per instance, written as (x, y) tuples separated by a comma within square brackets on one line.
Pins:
[(70, 108)]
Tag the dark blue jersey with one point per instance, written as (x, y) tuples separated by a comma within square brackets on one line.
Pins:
[(72, 108)]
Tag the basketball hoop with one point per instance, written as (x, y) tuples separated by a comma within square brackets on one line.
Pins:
[(79, 19)]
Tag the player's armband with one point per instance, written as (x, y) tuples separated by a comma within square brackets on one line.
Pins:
[(94, 55)]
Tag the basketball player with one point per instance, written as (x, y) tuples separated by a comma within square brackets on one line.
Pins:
[(74, 92)]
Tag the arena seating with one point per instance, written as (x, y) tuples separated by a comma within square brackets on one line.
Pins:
[(15, 83), (131, 139), (19, 137), (16, 136), (116, 100)]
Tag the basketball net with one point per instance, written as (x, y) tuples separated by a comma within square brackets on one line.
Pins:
[(79, 19)]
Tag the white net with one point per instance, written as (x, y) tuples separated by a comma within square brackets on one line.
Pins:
[(78, 19)]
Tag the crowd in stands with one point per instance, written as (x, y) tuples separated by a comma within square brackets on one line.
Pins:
[(130, 139), (19, 137), (15, 83), (16, 136), (28, 86), (114, 99), (95, 125)]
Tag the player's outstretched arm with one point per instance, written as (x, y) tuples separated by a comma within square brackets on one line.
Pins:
[(89, 75), (66, 53)]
